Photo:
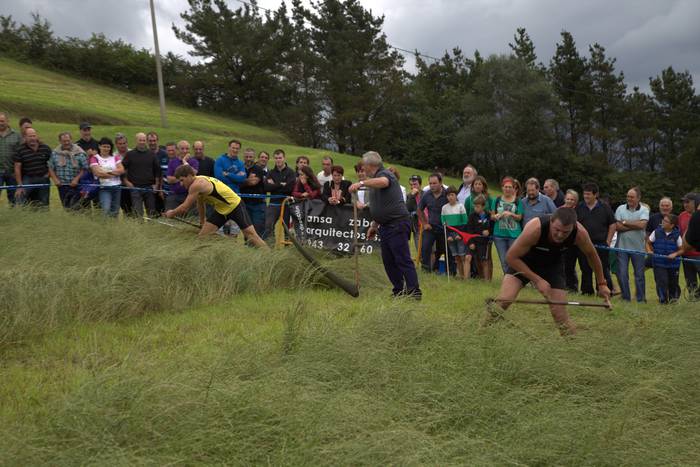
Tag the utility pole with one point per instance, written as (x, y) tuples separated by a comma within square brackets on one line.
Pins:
[(159, 69)]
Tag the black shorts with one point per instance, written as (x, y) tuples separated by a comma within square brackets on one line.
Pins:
[(552, 273), (238, 215)]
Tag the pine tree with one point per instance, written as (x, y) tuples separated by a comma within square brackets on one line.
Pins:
[(639, 133), (570, 76), (360, 76), (242, 49), (524, 48), (678, 109), (607, 101)]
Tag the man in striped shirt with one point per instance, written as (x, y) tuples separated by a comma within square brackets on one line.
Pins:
[(31, 168)]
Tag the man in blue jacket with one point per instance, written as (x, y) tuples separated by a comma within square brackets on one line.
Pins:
[(229, 168)]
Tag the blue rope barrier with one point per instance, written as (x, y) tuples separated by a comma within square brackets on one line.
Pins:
[(95, 185), (684, 259)]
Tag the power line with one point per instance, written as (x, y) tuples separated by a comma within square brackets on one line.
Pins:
[(419, 54), (400, 49)]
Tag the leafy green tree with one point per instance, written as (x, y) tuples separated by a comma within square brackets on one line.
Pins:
[(510, 117), (435, 113)]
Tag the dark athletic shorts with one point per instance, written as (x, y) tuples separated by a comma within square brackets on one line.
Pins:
[(238, 215), (552, 273)]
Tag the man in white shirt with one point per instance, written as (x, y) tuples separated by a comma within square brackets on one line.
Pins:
[(325, 175), (469, 173), (632, 219)]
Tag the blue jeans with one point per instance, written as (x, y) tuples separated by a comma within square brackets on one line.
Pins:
[(38, 196), (256, 212), (70, 196), (110, 200), (7, 179), (623, 260), (667, 288), (435, 236), (503, 244)]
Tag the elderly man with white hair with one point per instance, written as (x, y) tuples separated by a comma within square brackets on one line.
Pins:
[(469, 173), (390, 217)]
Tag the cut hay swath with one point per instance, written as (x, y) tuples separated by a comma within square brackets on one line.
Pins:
[(347, 286)]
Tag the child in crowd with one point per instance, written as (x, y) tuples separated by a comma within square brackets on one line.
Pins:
[(454, 215), (479, 223), (666, 239)]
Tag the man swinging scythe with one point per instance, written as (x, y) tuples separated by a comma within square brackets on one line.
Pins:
[(537, 257)]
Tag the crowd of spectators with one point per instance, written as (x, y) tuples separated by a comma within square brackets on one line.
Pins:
[(140, 181)]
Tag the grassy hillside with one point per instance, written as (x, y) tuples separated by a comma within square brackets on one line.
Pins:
[(58, 103), (271, 367)]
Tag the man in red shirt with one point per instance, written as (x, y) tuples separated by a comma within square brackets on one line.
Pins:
[(691, 269)]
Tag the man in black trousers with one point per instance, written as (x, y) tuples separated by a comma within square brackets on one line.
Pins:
[(390, 217), (599, 221)]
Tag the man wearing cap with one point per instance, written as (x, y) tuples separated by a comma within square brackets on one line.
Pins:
[(690, 251), (412, 199), (88, 181), (87, 142)]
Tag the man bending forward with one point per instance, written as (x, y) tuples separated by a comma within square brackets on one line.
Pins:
[(226, 203), (537, 256)]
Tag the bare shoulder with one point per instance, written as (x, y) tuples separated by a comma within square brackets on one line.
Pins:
[(200, 185), (531, 233), (533, 228)]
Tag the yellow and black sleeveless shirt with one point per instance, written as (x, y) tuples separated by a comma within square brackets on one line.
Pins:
[(222, 198)]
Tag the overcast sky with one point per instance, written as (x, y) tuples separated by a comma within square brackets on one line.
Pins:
[(645, 36)]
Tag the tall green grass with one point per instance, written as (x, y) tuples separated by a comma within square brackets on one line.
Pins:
[(60, 268), (310, 379)]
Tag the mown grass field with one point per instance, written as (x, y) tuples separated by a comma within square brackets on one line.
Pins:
[(125, 343)]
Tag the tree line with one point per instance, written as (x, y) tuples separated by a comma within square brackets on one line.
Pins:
[(327, 76)]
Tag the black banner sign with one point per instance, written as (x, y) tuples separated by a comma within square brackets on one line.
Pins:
[(325, 227)]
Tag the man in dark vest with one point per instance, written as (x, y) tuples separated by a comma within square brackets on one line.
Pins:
[(391, 219), (537, 256)]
